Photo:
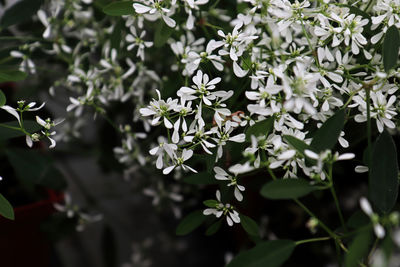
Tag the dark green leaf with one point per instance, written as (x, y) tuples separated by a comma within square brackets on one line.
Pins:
[(260, 128), (249, 225), (2, 99), (190, 222), (286, 189), (269, 253), (11, 75), (200, 178), (20, 12), (327, 136), (358, 220), (241, 7), (37, 169), (163, 32), (6, 210), (116, 35), (383, 184), (119, 8), (214, 228), (7, 133), (391, 45), (387, 247), (297, 144), (211, 203), (358, 249)]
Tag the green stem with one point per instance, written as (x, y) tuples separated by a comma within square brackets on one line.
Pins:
[(338, 207), (323, 226), (333, 192), (317, 239), (367, 90), (372, 250), (272, 174), (308, 40), (11, 127)]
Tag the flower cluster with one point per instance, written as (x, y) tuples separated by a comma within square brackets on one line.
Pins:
[(259, 89)]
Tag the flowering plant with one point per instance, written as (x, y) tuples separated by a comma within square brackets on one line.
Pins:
[(220, 93)]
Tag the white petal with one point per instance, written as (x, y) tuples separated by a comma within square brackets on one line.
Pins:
[(239, 72), (170, 22), (346, 156), (12, 111), (379, 231), (29, 141), (168, 169), (287, 155), (365, 206), (311, 154), (139, 8), (238, 195)]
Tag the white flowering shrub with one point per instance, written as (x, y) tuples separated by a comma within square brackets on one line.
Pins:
[(219, 92)]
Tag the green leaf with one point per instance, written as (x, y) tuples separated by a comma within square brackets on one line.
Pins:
[(7, 133), (38, 169), (383, 184), (200, 178), (11, 75), (190, 222), (2, 99), (260, 128), (269, 253), (388, 247), (214, 228), (20, 12), (249, 225), (116, 35), (211, 203), (119, 8), (6, 210), (163, 32), (286, 189), (327, 135), (358, 249), (297, 144), (358, 220), (391, 45)]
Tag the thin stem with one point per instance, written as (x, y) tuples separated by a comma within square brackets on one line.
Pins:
[(309, 41), (272, 173), (372, 250), (313, 240), (333, 192), (338, 207), (326, 228), (11, 127), (367, 90)]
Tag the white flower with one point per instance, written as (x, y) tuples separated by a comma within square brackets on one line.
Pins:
[(136, 40), (378, 228), (179, 160), (382, 109), (160, 109), (153, 7), (224, 135), (232, 216), (160, 149), (201, 89), (326, 156), (223, 175)]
